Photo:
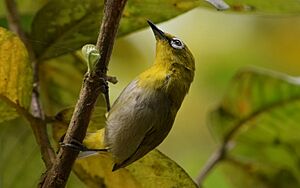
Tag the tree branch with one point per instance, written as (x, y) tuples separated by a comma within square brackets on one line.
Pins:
[(92, 86), (38, 124)]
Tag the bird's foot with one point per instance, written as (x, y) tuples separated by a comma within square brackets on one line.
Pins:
[(105, 90), (78, 146), (104, 85)]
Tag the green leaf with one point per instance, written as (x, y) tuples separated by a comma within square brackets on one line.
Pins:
[(16, 75), (24, 6), (26, 10), (91, 56), (25, 21), (61, 82), (64, 26), (259, 118), (21, 163)]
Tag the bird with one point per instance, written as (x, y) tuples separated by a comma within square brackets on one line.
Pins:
[(143, 114)]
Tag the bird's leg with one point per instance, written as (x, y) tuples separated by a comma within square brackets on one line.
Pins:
[(105, 90), (78, 146)]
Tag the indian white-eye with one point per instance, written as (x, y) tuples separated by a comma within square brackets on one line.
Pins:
[(144, 113)]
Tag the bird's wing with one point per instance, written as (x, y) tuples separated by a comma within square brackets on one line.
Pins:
[(149, 142)]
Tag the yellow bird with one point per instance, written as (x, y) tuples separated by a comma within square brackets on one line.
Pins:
[(144, 113)]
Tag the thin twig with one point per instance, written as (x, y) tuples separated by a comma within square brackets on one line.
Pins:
[(20, 110), (91, 88), (14, 18), (112, 79), (15, 24), (38, 124), (214, 159)]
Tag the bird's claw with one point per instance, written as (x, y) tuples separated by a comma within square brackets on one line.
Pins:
[(78, 146), (74, 145), (104, 86)]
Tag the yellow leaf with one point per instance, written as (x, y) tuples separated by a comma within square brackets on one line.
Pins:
[(153, 170), (15, 75)]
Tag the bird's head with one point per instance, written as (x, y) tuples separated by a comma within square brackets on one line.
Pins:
[(170, 49)]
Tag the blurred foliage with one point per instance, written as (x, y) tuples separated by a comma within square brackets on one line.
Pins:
[(60, 80), (19, 153), (221, 43), (16, 75), (20, 161), (255, 94), (71, 24), (27, 10), (259, 116)]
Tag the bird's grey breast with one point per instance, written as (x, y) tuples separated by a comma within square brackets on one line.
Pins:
[(137, 111)]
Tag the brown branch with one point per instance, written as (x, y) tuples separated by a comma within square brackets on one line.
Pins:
[(37, 123), (91, 88)]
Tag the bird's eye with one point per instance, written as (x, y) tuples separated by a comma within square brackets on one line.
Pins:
[(176, 43)]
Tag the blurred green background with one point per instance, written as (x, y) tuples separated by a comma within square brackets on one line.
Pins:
[(221, 42)]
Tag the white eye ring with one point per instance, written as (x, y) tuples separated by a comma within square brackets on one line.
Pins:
[(176, 43)]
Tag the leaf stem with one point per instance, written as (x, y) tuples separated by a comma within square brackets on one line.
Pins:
[(38, 124), (214, 159), (92, 86)]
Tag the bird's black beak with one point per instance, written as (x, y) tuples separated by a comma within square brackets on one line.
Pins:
[(159, 34)]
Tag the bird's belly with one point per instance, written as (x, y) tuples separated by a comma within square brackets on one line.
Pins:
[(133, 118)]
